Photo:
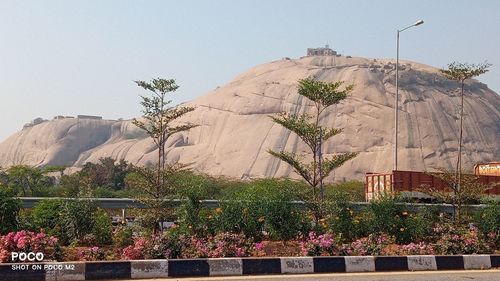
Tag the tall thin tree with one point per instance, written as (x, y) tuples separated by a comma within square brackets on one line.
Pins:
[(158, 122), (460, 72), (308, 128), (158, 116)]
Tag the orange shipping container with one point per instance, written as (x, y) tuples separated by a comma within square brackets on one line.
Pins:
[(409, 182)]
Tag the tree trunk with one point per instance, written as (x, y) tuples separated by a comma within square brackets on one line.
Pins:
[(458, 175)]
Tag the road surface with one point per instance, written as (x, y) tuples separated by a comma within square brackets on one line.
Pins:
[(461, 275)]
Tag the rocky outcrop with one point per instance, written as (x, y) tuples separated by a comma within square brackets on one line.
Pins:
[(235, 130)]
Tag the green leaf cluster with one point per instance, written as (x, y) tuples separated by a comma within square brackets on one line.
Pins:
[(157, 115), (309, 130), (462, 71)]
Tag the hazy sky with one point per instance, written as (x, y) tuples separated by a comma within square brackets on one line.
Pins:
[(81, 57)]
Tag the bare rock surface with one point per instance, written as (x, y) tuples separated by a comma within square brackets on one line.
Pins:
[(235, 130)]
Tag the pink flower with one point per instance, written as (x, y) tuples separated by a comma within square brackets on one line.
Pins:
[(240, 252), (22, 242), (259, 246)]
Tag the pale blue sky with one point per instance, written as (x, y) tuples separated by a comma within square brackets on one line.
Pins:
[(81, 57)]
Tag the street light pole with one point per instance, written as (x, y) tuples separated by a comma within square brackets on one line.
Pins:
[(396, 98)]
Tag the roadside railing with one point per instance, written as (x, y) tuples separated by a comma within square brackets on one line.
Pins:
[(128, 203)]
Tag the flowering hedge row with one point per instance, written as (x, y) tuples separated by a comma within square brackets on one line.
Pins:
[(221, 245), (254, 225), (446, 240), (27, 241)]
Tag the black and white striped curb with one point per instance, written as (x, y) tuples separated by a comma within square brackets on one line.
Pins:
[(238, 266)]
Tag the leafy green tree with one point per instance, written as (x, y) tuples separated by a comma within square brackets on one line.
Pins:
[(9, 211), (54, 169), (75, 185), (106, 173), (28, 181), (4, 178), (308, 128), (159, 121)]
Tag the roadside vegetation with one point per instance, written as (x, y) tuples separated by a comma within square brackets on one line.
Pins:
[(254, 218)]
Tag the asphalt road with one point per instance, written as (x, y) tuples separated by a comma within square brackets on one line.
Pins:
[(462, 275)]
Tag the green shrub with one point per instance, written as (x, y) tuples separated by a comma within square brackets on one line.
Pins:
[(77, 220), (74, 220), (9, 212), (193, 216), (355, 189), (103, 192), (341, 219), (488, 221), (102, 227), (106, 192), (385, 215), (46, 215), (123, 236), (241, 213), (187, 183), (264, 206), (416, 226)]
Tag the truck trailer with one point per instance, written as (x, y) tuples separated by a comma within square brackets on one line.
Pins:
[(410, 183)]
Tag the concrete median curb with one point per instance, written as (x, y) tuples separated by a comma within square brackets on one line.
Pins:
[(143, 269)]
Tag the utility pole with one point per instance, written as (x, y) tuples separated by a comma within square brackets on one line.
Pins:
[(320, 162)]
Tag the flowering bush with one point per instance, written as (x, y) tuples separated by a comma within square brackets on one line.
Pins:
[(421, 248), (493, 239), (372, 245), (152, 247), (27, 241), (320, 245), (92, 254), (224, 244), (221, 245), (258, 249), (459, 240), (135, 251)]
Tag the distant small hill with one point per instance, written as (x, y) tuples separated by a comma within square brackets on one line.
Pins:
[(235, 131)]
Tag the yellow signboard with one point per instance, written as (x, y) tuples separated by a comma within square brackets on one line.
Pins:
[(487, 169)]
